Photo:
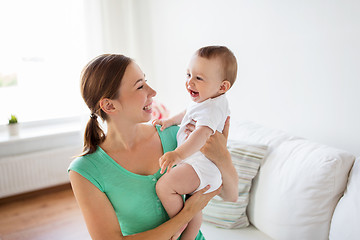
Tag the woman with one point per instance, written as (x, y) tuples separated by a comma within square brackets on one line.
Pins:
[(114, 181)]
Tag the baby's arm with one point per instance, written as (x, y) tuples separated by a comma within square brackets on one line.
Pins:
[(194, 143), (174, 120)]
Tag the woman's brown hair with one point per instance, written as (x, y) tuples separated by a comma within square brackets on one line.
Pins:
[(100, 79)]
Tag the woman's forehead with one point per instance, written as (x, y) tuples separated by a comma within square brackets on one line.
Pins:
[(132, 75)]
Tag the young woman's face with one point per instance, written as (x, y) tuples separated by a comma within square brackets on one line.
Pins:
[(135, 95), (203, 79)]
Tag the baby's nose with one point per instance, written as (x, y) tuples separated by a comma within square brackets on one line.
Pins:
[(190, 82)]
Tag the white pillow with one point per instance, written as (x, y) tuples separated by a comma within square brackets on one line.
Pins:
[(297, 189), (246, 159), (346, 219), (247, 131)]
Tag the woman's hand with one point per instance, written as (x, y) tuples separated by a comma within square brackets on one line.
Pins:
[(215, 149), (199, 200)]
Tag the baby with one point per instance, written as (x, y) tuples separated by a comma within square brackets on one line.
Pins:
[(210, 74)]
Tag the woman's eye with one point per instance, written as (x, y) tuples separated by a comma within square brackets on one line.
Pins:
[(142, 86)]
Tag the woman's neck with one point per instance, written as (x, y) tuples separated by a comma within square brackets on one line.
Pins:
[(122, 136)]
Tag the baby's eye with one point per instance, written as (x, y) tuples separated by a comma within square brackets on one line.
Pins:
[(188, 75), (199, 78)]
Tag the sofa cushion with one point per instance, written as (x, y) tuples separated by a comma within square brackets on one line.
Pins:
[(297, 189), (251, 132), (346, 219), (246, 159), (211, 232)]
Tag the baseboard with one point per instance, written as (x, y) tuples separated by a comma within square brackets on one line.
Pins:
[(33, 194)]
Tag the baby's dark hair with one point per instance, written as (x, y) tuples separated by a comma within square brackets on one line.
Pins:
[(227, 58)]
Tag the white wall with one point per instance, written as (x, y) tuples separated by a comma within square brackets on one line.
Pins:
[(299, 61)]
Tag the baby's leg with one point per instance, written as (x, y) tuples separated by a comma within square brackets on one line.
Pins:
[(192, 228), (181, 180)]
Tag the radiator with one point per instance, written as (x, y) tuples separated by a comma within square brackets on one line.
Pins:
[(36, 170)]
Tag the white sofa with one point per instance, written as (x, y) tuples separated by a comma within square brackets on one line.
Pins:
[(298, 192)]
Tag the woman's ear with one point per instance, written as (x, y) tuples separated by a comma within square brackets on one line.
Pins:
[(107, 105), (225, 86)]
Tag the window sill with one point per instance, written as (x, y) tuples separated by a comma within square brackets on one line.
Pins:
[(41, 135)]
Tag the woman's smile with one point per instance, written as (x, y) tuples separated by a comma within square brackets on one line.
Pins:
[(148, 108)]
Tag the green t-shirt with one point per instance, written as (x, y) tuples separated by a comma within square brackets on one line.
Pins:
[(133, 196)]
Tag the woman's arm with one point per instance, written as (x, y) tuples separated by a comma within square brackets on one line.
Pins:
[(97, 210), (216, 150), (102, 222)]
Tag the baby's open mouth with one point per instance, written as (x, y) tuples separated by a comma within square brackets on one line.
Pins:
[(193, 93)]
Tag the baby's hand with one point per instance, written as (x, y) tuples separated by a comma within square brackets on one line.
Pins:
[(165, 123), (168, 160)]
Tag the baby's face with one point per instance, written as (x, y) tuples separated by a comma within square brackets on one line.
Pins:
[(204, 78)]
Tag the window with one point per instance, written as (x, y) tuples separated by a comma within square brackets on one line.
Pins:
[(42, 52)]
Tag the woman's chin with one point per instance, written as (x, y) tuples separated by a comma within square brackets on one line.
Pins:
[(147, 116)]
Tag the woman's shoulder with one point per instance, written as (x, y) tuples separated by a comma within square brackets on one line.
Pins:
[(85, 161), (88, 166), (168, 137), (167, 132), (172, 130)]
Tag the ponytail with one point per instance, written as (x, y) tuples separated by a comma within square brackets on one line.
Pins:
[(93, 136), (100, 79)]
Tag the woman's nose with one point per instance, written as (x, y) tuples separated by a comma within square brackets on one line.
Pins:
[(152, 92)]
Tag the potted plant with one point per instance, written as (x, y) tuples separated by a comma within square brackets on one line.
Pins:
[(13, 126)]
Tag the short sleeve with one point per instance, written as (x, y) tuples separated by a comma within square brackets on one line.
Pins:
[(210, 117), (86, 168)]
